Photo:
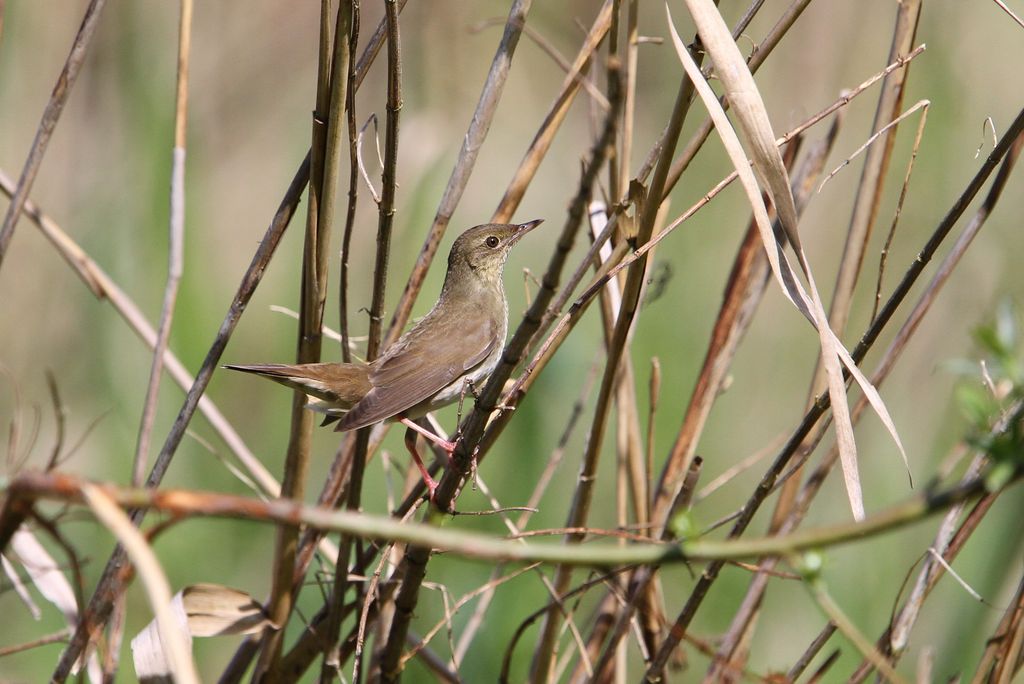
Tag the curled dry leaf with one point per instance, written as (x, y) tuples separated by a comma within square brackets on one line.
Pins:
[(200, 610), (175, 642)]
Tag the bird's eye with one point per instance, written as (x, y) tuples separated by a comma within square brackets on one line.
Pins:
[(492, 241)]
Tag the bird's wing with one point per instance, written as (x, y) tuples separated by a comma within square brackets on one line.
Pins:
[(417, 367)]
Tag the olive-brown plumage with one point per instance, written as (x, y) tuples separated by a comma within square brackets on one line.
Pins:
[(458, 342)]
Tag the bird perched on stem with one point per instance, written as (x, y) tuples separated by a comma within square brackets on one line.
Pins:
[(454, 347)]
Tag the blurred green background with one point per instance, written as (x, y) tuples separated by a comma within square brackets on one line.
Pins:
[(105, 180)]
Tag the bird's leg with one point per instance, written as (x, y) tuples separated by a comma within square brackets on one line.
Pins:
[(410, 444), (412, 429), (449, 447)]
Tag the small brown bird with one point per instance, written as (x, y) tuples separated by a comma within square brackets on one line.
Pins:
[(451, 349)]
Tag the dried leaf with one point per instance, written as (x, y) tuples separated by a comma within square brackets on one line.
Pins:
[(19, 587), (42, 569), (199, 610), (748, 106)]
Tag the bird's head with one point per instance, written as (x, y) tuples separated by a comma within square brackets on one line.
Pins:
[(481, 251)]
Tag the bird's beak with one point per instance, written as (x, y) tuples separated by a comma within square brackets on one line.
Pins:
[(524, 228)]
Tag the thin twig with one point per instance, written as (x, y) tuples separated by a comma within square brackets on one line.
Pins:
[(811, 652), (60, 418), (1002, 6), (867, 144), (48, 122), (898, 211), (176, 247), (55, 638), (548, 48), (331, 664), (353, 187)]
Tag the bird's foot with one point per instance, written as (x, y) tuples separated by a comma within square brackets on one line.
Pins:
[(431, 488), (449, 447)]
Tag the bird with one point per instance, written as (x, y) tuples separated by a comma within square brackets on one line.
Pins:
[(455, 347)]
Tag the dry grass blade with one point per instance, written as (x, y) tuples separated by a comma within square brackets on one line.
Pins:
[(868, 197), (869, 193), (19, 587), (750, 111), (897, 636), (760, 54), (215, 610), (844, 99), (45, 574)]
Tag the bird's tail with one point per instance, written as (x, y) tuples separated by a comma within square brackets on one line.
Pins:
[(338, 385)]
